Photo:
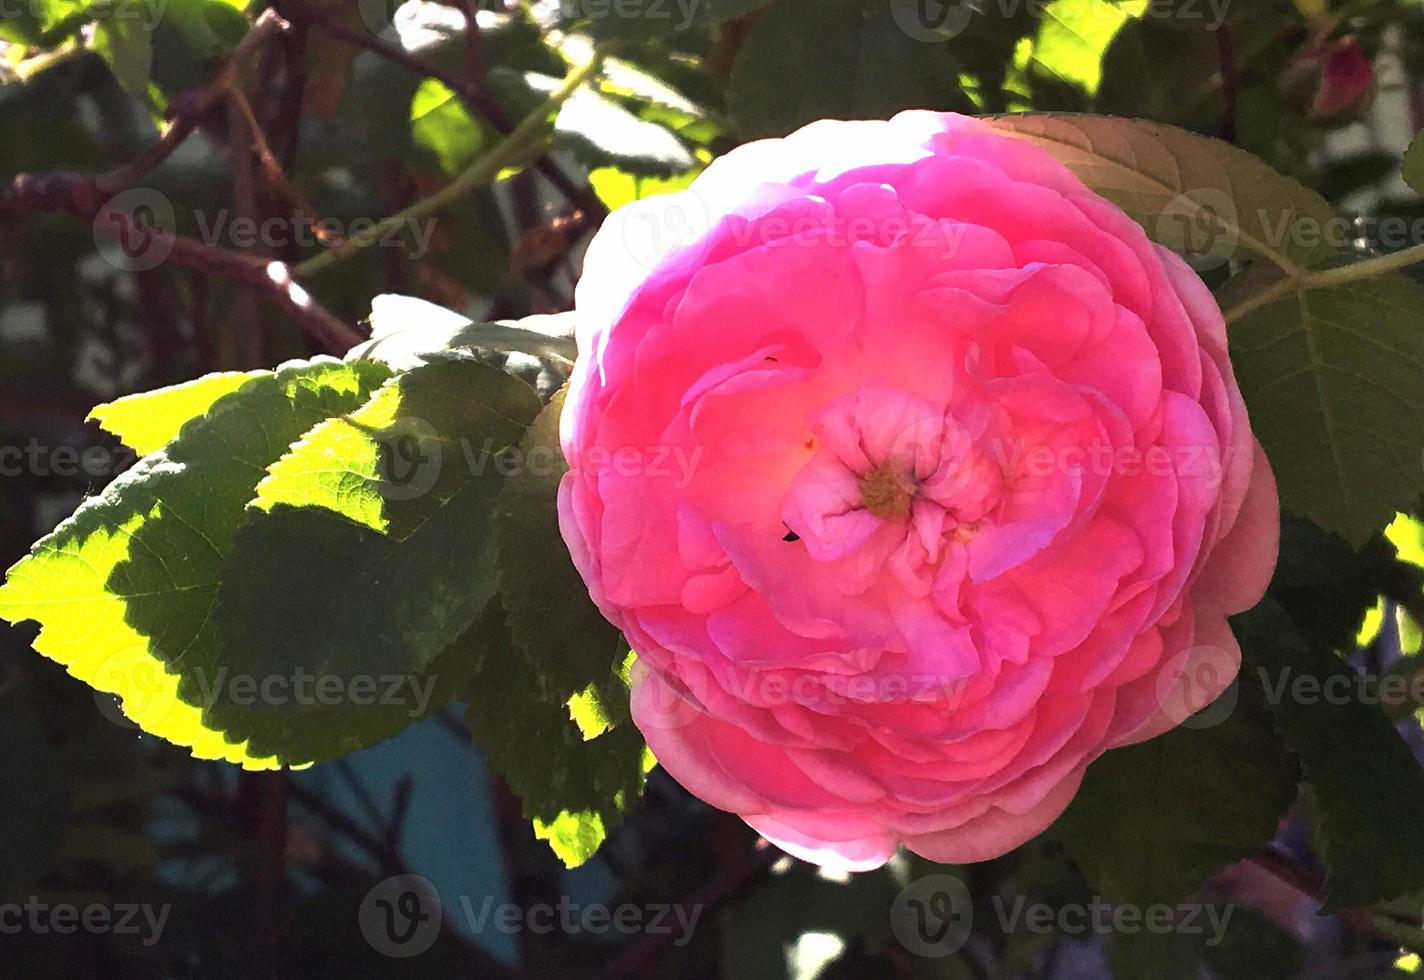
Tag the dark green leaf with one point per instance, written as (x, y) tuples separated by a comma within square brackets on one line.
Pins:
[(815, 59), (371, 542), (1414, 164), (549, 611), (1155, 820), (1187, 191), (124, 589), (575, 784), (1334, 379), (1363, 775)]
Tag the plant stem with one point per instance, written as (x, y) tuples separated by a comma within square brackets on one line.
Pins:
[(1337, 276), (482, 171)]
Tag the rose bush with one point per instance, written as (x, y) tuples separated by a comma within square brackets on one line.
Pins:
[(917, 478)]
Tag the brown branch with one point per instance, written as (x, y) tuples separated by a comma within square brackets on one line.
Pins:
[(64, 191), (189, 108), (87, 198), (473, 92), (1227, 59), (474, 45), (270, 277), (272, 168)]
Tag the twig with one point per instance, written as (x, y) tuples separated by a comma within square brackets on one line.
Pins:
[(482, 171), (268, 795), (87, 198), (474, 46), (272, 168), (274, 279), (1228, 82), (1337, 276), (189, 109), (473, 91)]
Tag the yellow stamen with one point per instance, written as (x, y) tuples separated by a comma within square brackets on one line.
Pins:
[(885, 494)]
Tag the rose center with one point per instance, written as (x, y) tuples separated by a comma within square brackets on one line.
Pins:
[(885, 493)]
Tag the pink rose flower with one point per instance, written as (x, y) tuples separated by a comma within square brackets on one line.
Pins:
[(916, 476)]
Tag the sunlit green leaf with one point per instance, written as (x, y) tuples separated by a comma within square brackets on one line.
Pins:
[(123, 590)]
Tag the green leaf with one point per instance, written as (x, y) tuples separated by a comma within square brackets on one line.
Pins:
[(32, 22), (600, 132), (148, 421), (123, 590), (190, 37), (1187, 191), (1363, 775), (125, 42), (574, 788), (817, 59), (441, 126), (548, 608), (1075, 35), (1328, 587), (1413, 168), (1153, 821), (1334, 380), (372, 542), (21, 26), (616, 188), (407, 331)]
